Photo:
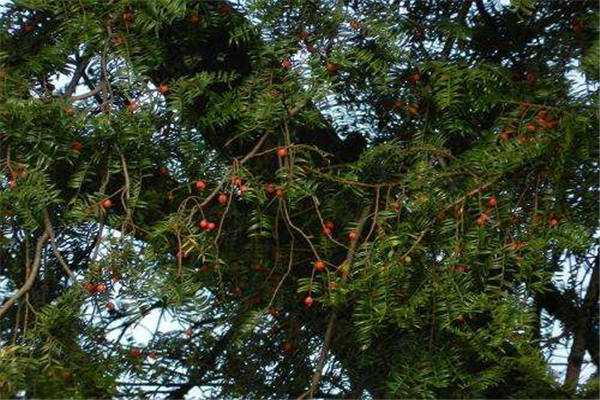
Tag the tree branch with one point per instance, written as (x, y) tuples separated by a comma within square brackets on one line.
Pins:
[(32, 275)]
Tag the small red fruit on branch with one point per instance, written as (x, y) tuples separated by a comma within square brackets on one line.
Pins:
[(492, 202), (135, 352), (319, 265), (106, 204), (12, 184), (100, 288), (332, 68), (223, 199), (482, 219), (282, 152), (413, 109), (517, 245), (461, 268), (77, 146), (206, 225), (89, 287), (552, 221), (286, 63), (308, 301), (352, 235), (200, 185), (163, 88), (355, 24), (132, 105)]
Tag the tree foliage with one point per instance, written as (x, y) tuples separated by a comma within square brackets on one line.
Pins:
[(297, 198)]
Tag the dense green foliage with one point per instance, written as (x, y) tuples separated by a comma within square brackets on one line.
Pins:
[(392, 188)]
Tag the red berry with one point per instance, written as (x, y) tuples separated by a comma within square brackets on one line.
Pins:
[(12, 184), (200, 185), (286, 63), (236, 181), (211, 226), (505, 135), (492, 202), (517, 245), (328, 224), (132, 105), (531, 127), (352, 235), (332, 68), (100, 288), (189, 332), (282, 152), (319, 265), (163, 88), (223, 199), (203, 224), (461, 268), (356, 25), (135, 352), (106, 203), (89, 287), (308, 301), (110, 306), (553, 221), (326, 231), (76, 146), (482, 219), (163, 171)]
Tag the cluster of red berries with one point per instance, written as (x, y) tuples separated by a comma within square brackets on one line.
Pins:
[(94, 288), (238, 183), (460, 268), (206, 225)]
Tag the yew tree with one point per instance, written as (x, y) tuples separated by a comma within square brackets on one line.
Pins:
[(298, 199)]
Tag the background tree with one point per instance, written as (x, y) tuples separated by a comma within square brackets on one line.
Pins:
[(305, 198)]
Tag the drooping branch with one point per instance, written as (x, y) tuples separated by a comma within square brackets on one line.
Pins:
[(35, 265)]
